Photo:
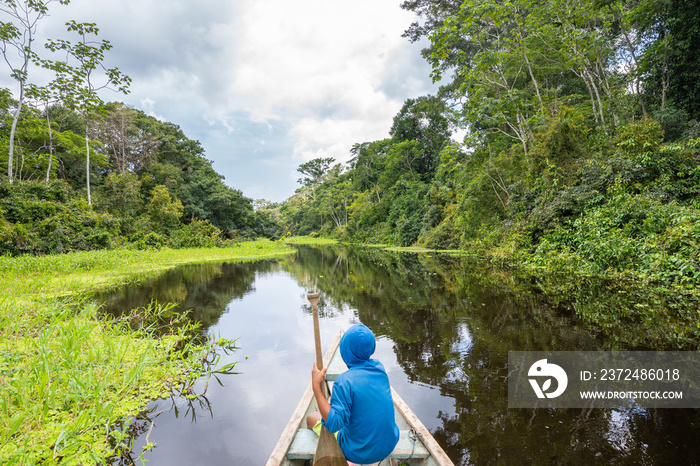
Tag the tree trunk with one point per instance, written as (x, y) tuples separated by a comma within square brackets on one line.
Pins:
[(597, 94), (583, 76), (87, 164), (529, 66), (48, 123), (15, 120), (336, 219), (631, 48), (534, 80), (665, 75)]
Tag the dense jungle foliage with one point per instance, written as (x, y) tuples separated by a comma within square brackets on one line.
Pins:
[(578, 150), (582, 144), (151, 185), (82, 174)]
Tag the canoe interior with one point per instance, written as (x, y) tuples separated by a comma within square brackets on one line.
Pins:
[(298, 443), (311, 441)]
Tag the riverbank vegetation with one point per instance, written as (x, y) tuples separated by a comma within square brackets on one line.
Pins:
[(578, 154), (68, 375), (83, 174), (167, 194)]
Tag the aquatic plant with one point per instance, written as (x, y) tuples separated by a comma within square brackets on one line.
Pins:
[(68, 374)]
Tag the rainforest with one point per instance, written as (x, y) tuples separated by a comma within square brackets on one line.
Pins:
[(563, 146), (564, 138)]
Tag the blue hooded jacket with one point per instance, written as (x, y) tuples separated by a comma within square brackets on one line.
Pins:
[(362, 410)]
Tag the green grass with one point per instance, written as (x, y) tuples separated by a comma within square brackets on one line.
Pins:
[(68, 375), (311, 240), (27, 278), (409, 249)]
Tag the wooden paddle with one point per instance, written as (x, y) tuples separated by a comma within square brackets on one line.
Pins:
[(328, 452)]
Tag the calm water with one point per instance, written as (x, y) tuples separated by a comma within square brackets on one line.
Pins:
[(444, 328)]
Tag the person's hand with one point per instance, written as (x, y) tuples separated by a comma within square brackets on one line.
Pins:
[(318, 376)]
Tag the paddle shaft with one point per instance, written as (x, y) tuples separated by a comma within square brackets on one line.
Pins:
[(328, 452), (313, 299)]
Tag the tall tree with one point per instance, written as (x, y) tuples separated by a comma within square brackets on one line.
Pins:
[(667, 32), (314, 172), (453, 49), (130, 148), (17, 38), (368, 162), (424, 120), (164, 211), (43, 96), (79, 73), (334, 196), (526, 60), (684, 60)]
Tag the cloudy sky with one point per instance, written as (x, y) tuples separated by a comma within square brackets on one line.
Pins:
[(264, 85)]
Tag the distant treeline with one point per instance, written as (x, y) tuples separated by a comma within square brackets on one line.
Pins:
[(151, 185), (582, 148)]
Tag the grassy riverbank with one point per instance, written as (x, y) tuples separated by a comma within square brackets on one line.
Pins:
[(66, 374)]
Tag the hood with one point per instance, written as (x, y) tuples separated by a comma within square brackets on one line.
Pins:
[(357, 345)]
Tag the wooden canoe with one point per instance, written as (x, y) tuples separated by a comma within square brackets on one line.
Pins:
[(297, 445)]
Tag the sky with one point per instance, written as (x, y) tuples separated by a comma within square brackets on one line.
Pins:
[(263, 85)]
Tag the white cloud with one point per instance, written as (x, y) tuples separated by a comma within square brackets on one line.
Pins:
[(320, 65), (331, 137), (309, 77), (304, 52)]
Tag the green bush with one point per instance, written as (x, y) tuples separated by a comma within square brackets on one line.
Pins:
[(57, 190), (14, 239), (40, 218), (147, 240), (677, 170), (442, 236), (631, 234), (198, 233), (408, 212), (640, 140), (164, 211)]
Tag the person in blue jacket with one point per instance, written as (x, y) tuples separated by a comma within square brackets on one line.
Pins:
[(361, 409)]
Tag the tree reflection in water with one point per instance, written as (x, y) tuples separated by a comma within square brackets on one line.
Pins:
[(451, 322)]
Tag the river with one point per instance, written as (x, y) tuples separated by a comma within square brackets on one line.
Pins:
[(444, 326)]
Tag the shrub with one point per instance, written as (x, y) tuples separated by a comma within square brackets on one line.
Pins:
[(639, 140), (631, 233), (443, 236), (163, 211), (409, 211), (199, 233), (40, 218), (147, 240)]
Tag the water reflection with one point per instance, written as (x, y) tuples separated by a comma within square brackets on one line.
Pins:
[(445, 326), (205, 289)]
